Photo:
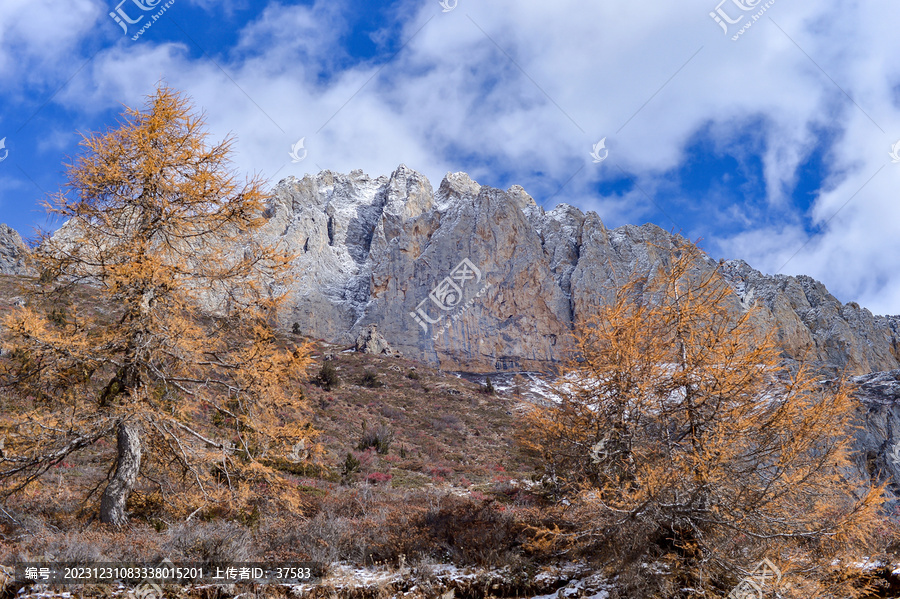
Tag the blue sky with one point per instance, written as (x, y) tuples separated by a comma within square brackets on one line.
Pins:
[(771, 142)]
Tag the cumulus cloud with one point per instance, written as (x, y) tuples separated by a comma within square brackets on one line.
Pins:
[(518, 91), (38, 36)]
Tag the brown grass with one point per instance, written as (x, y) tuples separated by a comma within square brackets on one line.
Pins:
[(430, 458)]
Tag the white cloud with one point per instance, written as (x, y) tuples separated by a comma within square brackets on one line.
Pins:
[(38, 37), (451, 100), (284, 37)]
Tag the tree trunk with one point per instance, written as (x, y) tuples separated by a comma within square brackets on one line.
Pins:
[(128, 463)]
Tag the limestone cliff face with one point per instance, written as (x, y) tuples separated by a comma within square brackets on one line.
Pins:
[(877, 438), (478, 279), (13, 252), (457, 278), (812, 323), (483, 280)]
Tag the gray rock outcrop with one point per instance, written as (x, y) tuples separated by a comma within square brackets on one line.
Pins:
[(13, 252), (877, 438), (370, 341), (812, 324), (456, 278)]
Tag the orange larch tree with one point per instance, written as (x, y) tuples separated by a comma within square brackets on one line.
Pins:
[(160, 229), (687, 446)]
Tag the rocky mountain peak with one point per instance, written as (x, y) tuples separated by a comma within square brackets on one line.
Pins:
[(474, 278), (455, 187), (408, 195)]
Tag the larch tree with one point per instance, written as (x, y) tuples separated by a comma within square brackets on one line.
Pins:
[(686, 445), (161, 232)]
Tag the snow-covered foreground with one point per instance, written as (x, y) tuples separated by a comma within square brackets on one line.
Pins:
[(445, 580), (423, 581)]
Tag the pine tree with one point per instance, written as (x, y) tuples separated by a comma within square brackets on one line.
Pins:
[(161, 232), (681, 438)]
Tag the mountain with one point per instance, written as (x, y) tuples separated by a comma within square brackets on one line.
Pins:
[(476, 279), (472, 278)]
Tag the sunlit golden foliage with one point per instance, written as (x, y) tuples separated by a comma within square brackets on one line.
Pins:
[(686, 445), (164, 233)]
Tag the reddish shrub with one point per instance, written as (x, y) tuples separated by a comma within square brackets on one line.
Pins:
[(378, 477), (441, 472), (366, 458)]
